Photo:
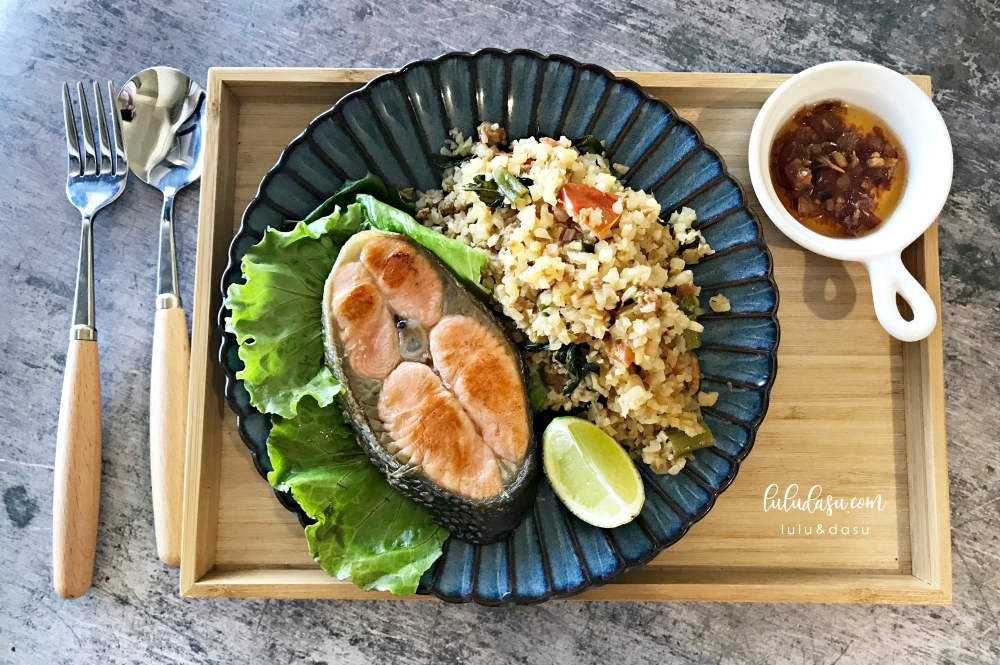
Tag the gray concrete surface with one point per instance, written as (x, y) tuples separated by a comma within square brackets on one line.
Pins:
[(133, 613)]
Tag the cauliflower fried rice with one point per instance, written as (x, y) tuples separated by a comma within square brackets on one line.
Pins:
[(618, 298)]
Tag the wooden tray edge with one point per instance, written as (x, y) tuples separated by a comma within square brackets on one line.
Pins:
[(697, 586)]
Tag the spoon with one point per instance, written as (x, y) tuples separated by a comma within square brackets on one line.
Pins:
[(163, 123)]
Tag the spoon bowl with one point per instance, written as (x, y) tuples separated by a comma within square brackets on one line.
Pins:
[(162, 122)]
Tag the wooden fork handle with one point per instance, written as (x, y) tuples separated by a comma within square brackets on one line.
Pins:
[(77, 490), (167, 428)]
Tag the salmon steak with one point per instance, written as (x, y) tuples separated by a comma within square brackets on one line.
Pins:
[(433, 387)]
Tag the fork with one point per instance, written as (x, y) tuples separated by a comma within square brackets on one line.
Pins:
[(91, 186)]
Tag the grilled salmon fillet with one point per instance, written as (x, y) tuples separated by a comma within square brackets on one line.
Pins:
[(406, 279), (433, 431), (486, 381), (447, 422), (366, 325)]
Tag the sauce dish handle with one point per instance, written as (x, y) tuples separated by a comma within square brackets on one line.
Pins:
[(889, 276)]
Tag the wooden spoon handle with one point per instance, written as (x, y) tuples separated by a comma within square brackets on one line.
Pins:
[(77, 490), (168, 396)]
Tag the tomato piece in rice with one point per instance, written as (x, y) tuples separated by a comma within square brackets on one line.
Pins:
[(596, 210)]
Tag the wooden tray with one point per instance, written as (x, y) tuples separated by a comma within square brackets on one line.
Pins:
[(852, 410)]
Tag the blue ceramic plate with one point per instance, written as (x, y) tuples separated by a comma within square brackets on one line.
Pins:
[(391, 127)]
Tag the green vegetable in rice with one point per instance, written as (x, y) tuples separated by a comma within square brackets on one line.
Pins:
[(573, 357), (487, 191), (511, 186), (501, 191), (537, 390), (692, 339), (538, 393), (588, 144), (684, 444), (689, 305)]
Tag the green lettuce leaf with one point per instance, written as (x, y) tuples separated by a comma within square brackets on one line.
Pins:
[(277, 316), (371, 184), (466, 262), (364, 528), (342, 223)]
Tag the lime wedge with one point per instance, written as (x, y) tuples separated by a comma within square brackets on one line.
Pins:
[(591, 473)]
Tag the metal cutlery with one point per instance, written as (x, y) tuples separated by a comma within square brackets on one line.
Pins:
[(95, 180), (162, 112)]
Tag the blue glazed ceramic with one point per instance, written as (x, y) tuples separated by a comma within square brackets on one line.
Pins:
[(391, 127)]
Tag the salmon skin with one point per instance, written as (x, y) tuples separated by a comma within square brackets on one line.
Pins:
[(448, 422)]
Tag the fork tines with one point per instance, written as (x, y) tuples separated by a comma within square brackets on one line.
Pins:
[(113, 161)]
